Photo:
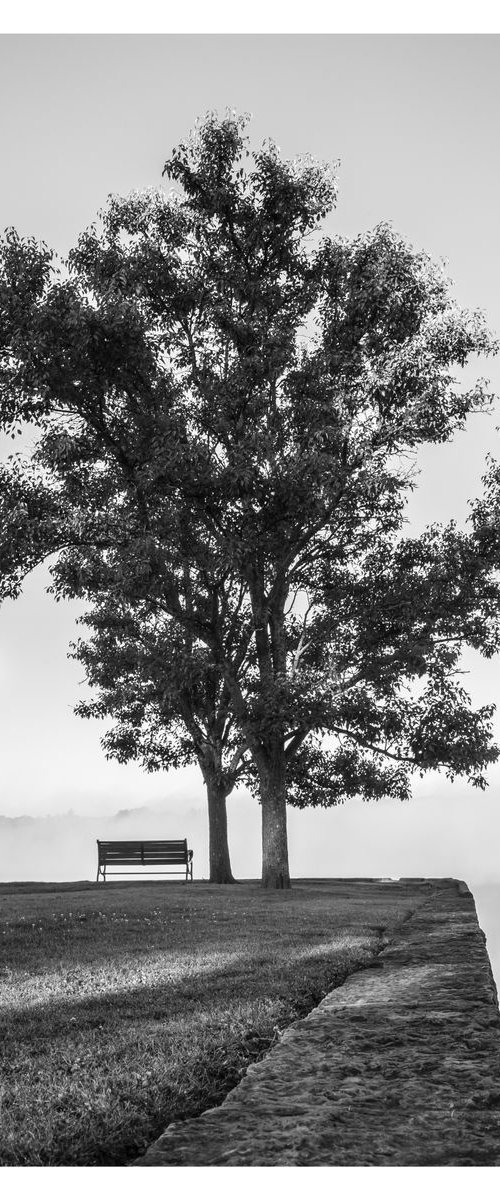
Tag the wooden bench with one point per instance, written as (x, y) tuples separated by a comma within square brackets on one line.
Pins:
[(145, 855)]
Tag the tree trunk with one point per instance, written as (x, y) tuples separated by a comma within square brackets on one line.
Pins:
[(275, 870), (219, 861)]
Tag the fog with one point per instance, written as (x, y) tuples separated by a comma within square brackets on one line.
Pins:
[(445, 834), (434, 835)]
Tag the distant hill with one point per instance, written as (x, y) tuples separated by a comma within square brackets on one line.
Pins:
[(10, 822), (130, 812), (71, 816)]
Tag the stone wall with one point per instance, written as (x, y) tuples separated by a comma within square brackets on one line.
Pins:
[(400, 1066)]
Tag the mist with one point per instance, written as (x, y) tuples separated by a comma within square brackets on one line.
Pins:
[(453, 832)]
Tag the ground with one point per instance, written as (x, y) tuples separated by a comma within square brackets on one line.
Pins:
[(130, 1005)]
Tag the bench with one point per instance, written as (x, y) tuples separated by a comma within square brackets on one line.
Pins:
[(145, 855)]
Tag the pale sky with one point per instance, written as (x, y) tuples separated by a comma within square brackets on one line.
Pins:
[(414, 121)]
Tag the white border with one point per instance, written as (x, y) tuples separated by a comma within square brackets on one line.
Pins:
[(261, 16)]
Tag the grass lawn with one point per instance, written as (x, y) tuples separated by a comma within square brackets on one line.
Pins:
[(129, 1005)]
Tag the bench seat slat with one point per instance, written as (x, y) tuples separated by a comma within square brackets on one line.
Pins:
[(149, 854)]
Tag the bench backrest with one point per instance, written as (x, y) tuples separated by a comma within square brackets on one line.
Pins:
[(152, 853)]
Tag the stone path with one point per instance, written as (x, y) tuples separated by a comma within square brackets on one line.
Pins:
[(400, 1066)]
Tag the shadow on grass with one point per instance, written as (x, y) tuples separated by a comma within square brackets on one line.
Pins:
[(101, 1077), (111, 934), (234, 978)]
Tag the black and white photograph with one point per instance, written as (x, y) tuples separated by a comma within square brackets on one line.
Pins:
[(249, 605)]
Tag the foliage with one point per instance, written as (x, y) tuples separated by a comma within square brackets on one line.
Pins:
[(168, 700)]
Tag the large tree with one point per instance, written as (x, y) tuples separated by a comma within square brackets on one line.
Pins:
[(220, 390)]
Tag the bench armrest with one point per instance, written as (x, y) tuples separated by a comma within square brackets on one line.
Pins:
[(190, 855)]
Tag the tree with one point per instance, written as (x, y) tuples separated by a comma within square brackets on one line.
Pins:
[(220, 390), (169, 705)]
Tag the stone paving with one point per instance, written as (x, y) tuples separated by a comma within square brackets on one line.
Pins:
[(400, 1066)]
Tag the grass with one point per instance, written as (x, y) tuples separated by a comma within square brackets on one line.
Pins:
[(128, 1006)]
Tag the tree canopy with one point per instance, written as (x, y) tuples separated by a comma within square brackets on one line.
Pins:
[(221, 392)]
